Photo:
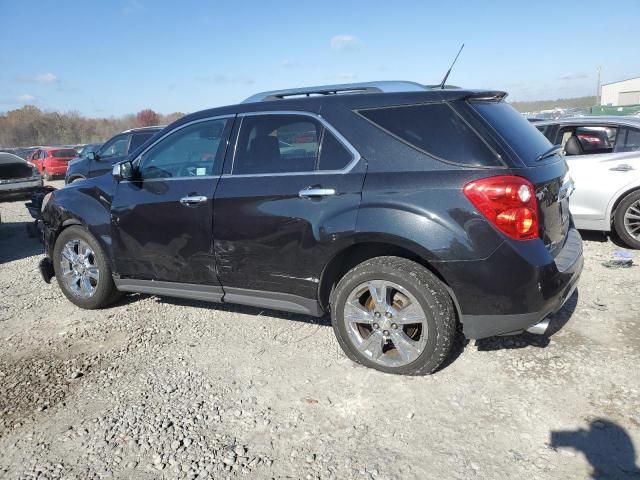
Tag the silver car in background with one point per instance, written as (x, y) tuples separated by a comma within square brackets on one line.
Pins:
[(603, 154)]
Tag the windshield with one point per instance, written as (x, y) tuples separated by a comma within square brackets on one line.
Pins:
[(64, 153), (517, 131)]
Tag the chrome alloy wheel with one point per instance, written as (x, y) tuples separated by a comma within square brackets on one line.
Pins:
[(632, 220), (79, 268), (385, 323)]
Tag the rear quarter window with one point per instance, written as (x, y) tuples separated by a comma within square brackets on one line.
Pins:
[(516, 131), (138, 139), (435, 129)]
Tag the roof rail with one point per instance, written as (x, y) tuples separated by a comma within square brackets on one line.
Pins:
[(386, 86)]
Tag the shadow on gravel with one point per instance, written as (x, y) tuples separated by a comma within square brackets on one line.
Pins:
[(523, 340), (606, 446), (243, 309), (15, 243), (603, 237)]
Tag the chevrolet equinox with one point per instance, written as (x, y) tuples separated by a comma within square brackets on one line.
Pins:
[(401, 210)]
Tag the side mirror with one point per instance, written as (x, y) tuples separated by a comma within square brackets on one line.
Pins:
[(122, 171), (92, 155)]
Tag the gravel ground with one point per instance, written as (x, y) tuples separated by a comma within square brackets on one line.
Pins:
[(164, 388)]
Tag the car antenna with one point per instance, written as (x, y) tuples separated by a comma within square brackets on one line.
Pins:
[(444, 80)]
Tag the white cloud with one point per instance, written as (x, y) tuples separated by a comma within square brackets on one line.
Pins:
[(221, 78), (132, 6), (347, 76), (345, 42), (286, 63), (573, 76), (46, 78), (41, 78), (26, 98)]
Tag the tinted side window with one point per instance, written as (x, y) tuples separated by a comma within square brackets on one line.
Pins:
[(138, 139), (515, 130), (115, 147), (333, 154), (192, 151), (628, 140), (279, 143), (435, 129)]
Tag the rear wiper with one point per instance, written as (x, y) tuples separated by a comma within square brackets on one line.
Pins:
[(553, 150)]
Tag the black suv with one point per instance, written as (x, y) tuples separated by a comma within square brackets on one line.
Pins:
[(398, 209), (94, 163)]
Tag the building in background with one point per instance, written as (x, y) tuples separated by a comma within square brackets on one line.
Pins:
[(622, 93)]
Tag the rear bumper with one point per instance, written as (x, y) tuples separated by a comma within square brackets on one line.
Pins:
[(519, 291), (59, 169), (20, 185)]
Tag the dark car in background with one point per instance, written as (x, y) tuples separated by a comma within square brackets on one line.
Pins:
[(396, 208), (99, 161), (84, 150), (17, 176)]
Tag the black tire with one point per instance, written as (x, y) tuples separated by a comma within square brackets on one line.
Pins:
[(105, 290), (630, 201), (430, 293)]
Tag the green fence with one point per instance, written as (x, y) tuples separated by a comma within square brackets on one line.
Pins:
[(608, 110)]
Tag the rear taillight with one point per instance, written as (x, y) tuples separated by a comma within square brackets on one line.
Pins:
[(508, 202)]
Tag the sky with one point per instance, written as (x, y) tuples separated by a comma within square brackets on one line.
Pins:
[(109, 58)]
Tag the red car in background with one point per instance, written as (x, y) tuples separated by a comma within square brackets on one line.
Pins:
[(51, 161)]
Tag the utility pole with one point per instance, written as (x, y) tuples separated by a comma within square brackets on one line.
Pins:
[(598, 88)]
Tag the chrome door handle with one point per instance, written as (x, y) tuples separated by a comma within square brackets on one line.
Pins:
[(316, 192), (195, 200), (622, 168)]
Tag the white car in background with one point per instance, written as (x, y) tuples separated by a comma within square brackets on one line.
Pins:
[(603, 154)]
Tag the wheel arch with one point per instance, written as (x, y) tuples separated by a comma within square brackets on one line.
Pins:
[(371, 247), (618, 198)]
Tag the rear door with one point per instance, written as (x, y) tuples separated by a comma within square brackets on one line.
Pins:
[(162, 220), (288, 198)]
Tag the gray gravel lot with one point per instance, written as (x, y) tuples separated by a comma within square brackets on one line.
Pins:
[(163, 388)]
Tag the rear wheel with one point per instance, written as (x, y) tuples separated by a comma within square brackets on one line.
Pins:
[(627, 220), (394, 315), (81, 269)]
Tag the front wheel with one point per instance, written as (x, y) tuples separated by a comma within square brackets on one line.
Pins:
[(627, 220), (81, 269), (394, 315)]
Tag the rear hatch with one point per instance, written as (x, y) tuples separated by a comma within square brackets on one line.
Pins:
[(13, 167), (532, 156), (64, 155)]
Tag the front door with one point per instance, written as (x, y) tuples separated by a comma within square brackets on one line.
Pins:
[(605, 163), (111, 152), (162, 218), (287, 202)]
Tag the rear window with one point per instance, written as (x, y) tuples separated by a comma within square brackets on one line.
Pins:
[(517, 131), (64, 153), (435, 129), (138, 139)]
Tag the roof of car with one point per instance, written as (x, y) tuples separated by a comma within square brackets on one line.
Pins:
[(352, 96), (386, 86), (62, 147), (142, 129), (594, 120)]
